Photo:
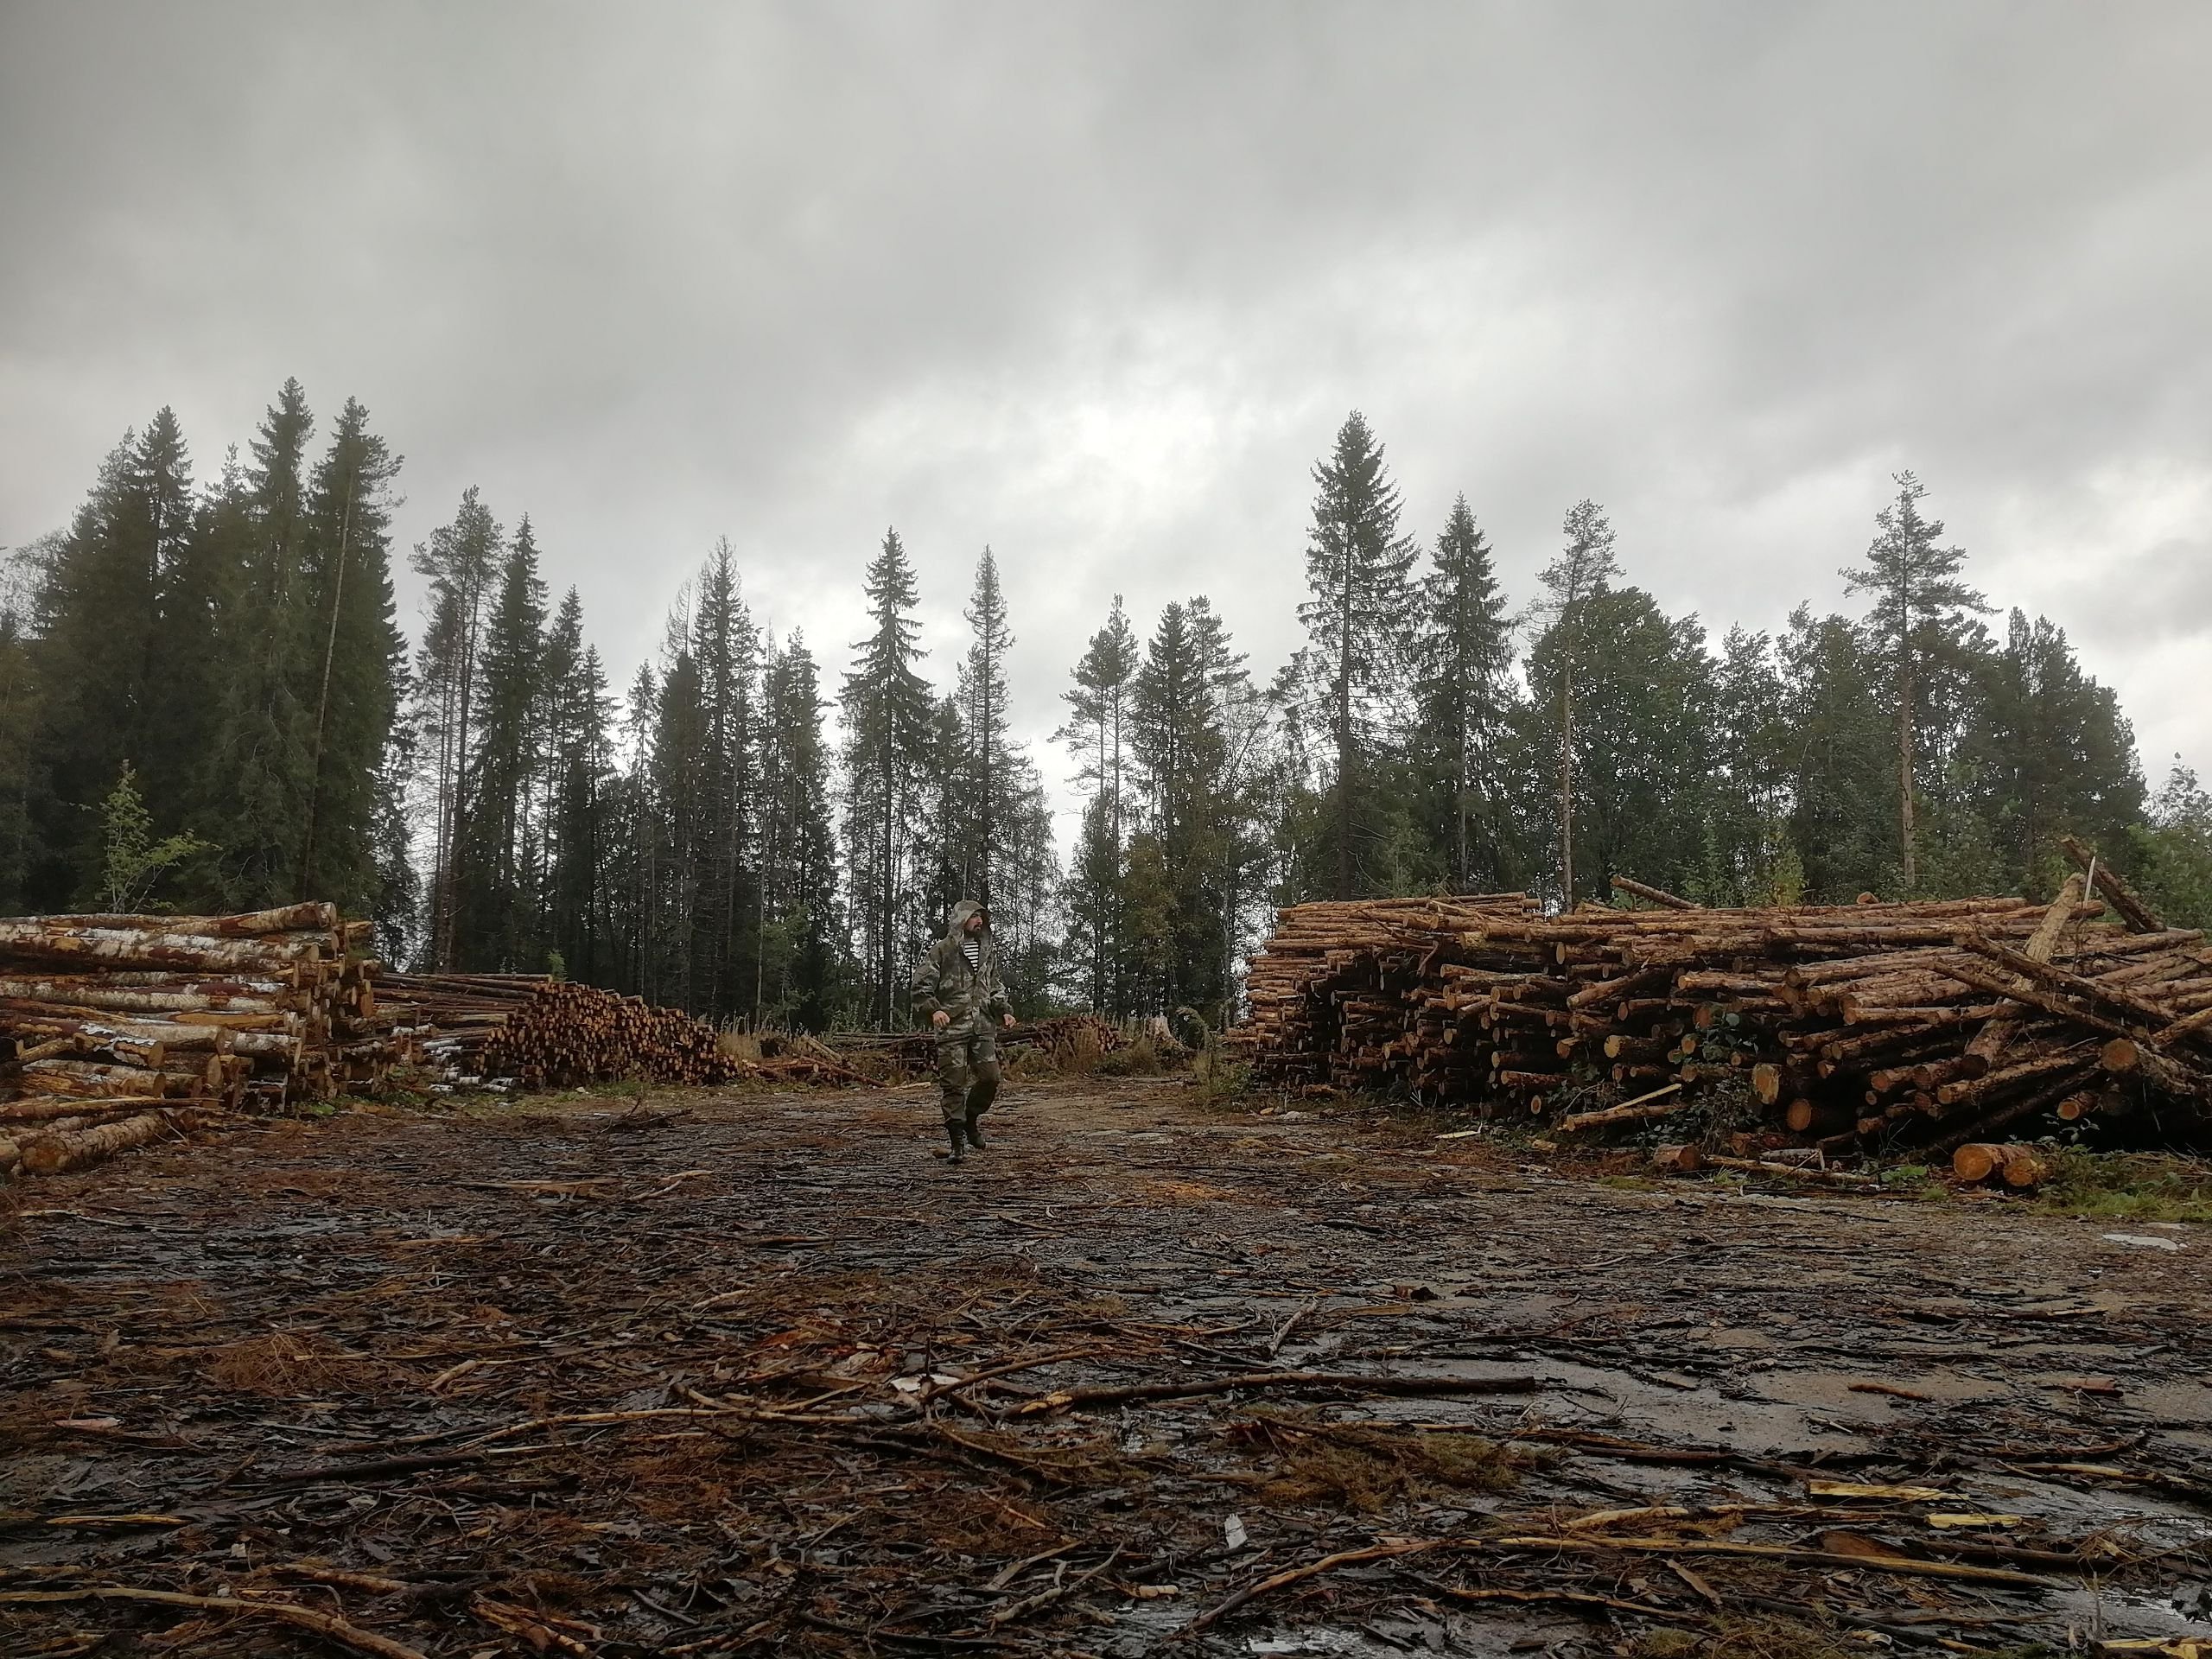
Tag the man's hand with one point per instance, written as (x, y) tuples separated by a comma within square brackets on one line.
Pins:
[(940, 1018), (1006, 1019)]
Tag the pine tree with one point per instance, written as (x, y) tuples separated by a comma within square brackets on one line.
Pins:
[(1357, 621), (1583, 570), (1465, 703), (1920, 606), (888, 724)]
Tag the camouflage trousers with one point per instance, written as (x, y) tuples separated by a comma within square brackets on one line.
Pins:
[(967, 1070)]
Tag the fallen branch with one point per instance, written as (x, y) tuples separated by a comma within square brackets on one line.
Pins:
[(1283, 1382), (329, 1626), (1313, 1570)]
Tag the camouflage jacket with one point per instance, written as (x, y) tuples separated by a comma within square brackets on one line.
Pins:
[(942, 979)]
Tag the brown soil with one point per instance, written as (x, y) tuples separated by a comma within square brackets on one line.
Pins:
[(580, 1378)]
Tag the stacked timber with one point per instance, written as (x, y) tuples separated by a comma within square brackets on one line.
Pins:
[(547, 1033), (1834, 1029), (115, 1028), (1064, 1042)]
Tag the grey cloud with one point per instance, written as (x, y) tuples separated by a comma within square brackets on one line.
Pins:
[(1094, 283)]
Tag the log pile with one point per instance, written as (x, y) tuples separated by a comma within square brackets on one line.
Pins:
[(117, 1028), (1062, 1042), (1836, 1030), (547, 1033)]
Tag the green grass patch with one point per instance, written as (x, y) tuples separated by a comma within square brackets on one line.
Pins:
[(2128, 1186)]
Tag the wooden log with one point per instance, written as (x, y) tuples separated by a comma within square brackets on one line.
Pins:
[(33, 939), (1992, 1041), (312, 916), (2014, 1165), (51, 1155), (1653, 895), (46, 1108), (1642, 1108), (2121, 897), (1678, 1157)]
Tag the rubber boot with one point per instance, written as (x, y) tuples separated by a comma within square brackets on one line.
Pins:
[(956, 1133), (974, 1127)]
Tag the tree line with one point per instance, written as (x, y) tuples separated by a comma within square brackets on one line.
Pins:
[(214, 672)]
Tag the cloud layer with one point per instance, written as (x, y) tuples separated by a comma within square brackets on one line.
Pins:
[(1095, 284)]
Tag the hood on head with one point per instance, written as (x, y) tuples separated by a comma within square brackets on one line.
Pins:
[(964, 909)]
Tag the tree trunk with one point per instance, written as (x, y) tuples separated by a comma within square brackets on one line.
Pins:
[(1904, 772), (1566, 784)]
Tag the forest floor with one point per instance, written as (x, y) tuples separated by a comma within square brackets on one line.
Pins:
[(716, 1373)]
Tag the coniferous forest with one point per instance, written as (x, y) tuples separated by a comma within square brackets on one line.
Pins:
[(208, 702)]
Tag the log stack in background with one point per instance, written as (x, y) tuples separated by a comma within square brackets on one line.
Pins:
[(117, 1026), (548, 1033), (1866, 1028)]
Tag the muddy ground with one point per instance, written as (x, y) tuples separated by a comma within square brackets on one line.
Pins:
[(724, 1373)]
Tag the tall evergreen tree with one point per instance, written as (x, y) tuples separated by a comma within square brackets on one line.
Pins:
[(1584, 568), (889, 725), (1921, 606), (799, 875), (495, 853), (2047, 752), (257, 805), (97, 614), (577, 768), (1097, 733), (357, 665), (1355, 619), (1463, 657), (460, 561), (1836, 759), (992, 777), (1641, 761)]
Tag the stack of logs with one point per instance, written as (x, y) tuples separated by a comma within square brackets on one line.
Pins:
[(1844, 1029), (1061, 1041), (548, 1033), (116, 1026)]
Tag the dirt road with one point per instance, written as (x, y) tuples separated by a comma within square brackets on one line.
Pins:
[(716, 1374)]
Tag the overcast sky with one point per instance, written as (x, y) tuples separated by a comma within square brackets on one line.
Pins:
[(1095, 285)]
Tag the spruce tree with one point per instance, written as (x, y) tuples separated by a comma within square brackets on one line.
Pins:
[(1643, 752), (1357, 621), (889, 720), (1096, 733), (259, 796), (2047, 752), (990, 764), (1582, 571), (1836, 760), (97, 614), (460, 562), (800, 874), (1921, 607), (494, 853), (357, 662), (725, 917), (1463, 654)]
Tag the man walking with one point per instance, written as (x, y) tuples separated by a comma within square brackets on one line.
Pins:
[(957, 985)]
